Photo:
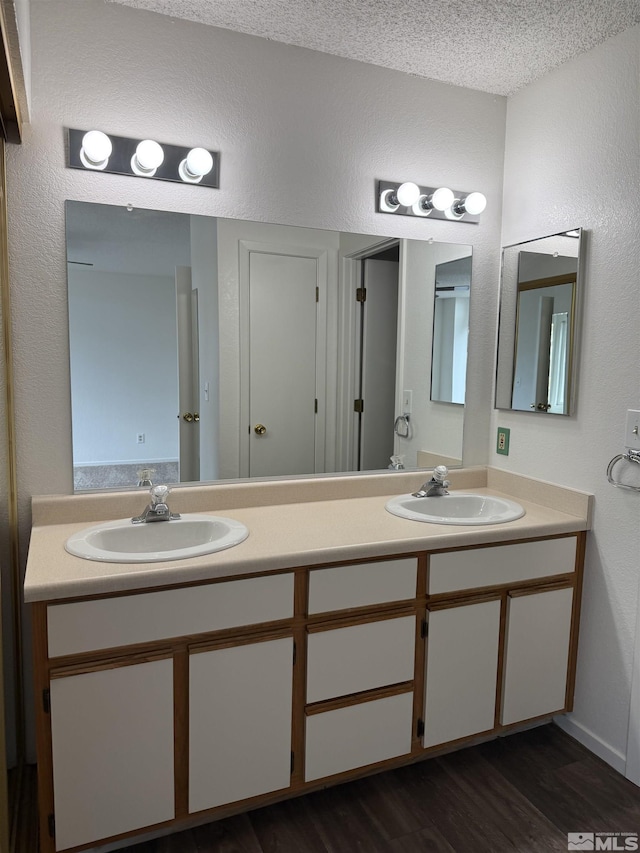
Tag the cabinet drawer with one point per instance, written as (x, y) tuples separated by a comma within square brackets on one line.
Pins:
[(502, 564), (344, 587), (111, 622), (360, 657), (346, 738)]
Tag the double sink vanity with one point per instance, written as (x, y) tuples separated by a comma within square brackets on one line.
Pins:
[(333, 639)]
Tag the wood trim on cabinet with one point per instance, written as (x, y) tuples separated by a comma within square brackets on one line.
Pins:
[(112, 663), (461, 601), (575, 620), (419, 678), (502, 653), (181, 732), (355, 614), (548, 587), (422, 579), (376, 615), (43, 725), (300, 598), (224, 643), (358, 698)]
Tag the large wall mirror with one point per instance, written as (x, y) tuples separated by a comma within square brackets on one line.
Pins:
[(205, 349), (540, 297)]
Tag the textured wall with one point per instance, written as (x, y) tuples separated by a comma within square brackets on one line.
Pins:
[(572, 159), (302, 135)]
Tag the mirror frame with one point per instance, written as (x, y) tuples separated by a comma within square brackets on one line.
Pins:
[(508, 330)]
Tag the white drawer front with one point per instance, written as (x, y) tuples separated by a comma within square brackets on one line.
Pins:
[(344, 587), (502, 564), (361, 657), (358, 735), (109, 622)]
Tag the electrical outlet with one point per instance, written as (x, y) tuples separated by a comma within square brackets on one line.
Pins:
[(632, 432), (502, 444), (139, 438)]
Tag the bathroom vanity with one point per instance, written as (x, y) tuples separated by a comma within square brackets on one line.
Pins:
[(336, 641)]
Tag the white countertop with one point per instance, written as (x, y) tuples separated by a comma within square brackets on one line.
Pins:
[(302, 532)]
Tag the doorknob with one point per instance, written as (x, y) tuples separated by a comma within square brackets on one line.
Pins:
[(188, 417), (259, 429)]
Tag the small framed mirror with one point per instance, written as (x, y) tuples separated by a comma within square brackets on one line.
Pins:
[(540, 298)]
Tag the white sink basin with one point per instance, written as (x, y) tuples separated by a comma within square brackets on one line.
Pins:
[(456, 508), (189, 536)]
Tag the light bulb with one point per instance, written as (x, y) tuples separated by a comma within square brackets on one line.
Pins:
[(442, 198), (149, 155), (475, 203), (422, 207), (96, 150), (196, 165), (408, 194)]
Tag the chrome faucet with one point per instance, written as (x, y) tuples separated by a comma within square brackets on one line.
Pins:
[(436, 487), (158, 508)]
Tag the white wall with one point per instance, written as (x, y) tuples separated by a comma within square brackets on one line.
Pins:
[(572, 160)]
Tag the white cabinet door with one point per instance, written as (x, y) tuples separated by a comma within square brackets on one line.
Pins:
[(113, 747), (239, 722), (537, 654), (461, 671)]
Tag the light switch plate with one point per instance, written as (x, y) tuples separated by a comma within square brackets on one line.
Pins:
[(632, 432)]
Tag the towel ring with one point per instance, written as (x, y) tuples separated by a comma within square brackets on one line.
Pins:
[(629, 456)]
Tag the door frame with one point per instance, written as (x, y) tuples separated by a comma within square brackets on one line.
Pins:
[(349, 342), (245, 248)]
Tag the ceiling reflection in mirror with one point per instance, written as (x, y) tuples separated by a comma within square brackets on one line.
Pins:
[(206, 349), (540, 297)]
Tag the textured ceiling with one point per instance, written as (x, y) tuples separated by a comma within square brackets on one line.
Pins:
[(496, 46)]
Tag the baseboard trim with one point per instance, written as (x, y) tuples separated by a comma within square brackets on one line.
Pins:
[(593, 743)]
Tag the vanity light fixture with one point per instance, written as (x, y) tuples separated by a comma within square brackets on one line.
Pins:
[(143, 158), (409, 199)]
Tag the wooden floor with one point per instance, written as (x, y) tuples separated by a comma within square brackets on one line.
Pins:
[(521, 793)]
